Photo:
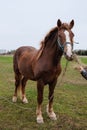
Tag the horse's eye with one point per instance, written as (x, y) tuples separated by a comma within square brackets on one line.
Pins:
[(60, 36)]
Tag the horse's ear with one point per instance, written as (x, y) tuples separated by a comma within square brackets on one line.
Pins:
[(71, 24), (59, 23)]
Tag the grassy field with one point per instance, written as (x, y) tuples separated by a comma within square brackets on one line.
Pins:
[(70, 103)]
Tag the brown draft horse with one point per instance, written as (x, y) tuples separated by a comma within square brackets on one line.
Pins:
[(43, 65)]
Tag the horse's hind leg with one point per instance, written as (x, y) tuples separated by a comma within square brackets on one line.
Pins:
[(50, 110), (17, 86), (40, 87), (23, 83)]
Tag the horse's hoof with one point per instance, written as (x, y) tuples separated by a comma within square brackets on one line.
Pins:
[(25, 100), (40, 120), (14, 99), (51, 115)]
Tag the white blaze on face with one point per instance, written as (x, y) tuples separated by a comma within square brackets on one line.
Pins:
[(69, 50), (67, 36), (68, 46)]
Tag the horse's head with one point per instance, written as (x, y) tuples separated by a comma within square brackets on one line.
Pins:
[(65, 38)]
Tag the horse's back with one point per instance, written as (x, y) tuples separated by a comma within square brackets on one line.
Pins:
[(24, 49)]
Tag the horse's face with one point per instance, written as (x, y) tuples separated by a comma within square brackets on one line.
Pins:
[(65, 38)]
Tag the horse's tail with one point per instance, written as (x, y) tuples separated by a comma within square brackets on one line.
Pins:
[(19, 91), (15, 63)]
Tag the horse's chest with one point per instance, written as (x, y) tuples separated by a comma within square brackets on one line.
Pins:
[(54, 73), (50, 75)]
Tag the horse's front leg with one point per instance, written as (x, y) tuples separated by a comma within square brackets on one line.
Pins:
[(40, 88), (50, 110)]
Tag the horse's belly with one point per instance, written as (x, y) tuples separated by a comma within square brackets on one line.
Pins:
[(47, 76), (50, 77)]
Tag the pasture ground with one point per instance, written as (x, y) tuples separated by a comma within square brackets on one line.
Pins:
[(70, 102)]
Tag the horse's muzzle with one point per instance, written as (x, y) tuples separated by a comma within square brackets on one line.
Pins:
[(68, 53), (69, 58)]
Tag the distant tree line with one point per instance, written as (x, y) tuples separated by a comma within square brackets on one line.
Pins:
[(8, 52), (81, 52), (11, 52), (78, 52)]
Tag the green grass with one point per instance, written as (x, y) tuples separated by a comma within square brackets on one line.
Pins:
[(70, 102)]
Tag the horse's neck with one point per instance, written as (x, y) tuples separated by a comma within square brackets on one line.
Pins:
[(52, 53), (57, 56)]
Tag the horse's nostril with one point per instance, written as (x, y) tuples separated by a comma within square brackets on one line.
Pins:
[(71, 56)]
